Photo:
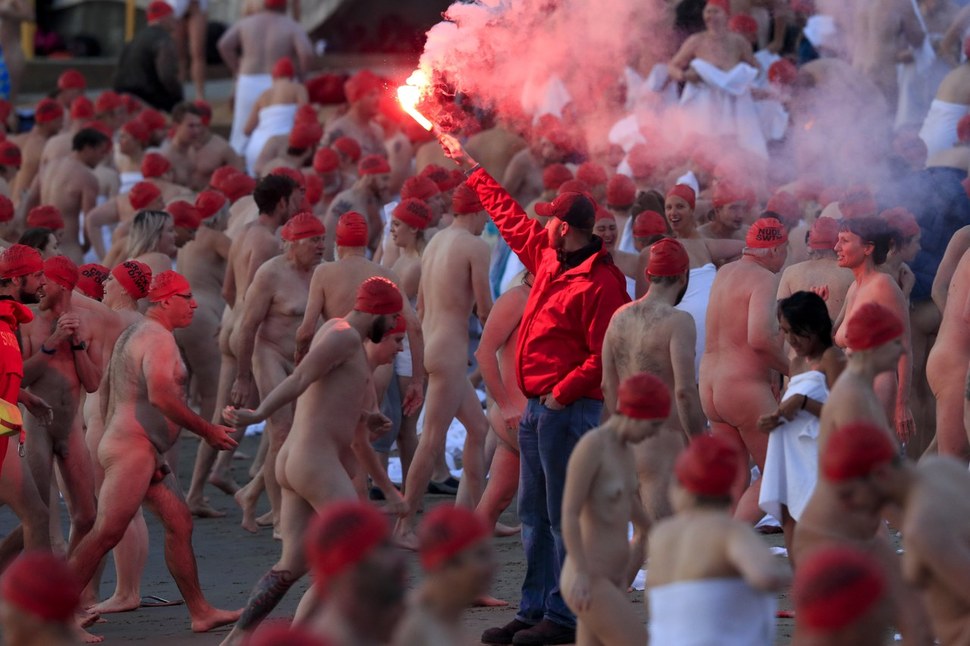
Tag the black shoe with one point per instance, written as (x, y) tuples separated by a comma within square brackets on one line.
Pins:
[(545, 633), (504, 634), (448, 487), (376, 494)]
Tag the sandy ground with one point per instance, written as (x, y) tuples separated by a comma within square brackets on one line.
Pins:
[(231, 560)]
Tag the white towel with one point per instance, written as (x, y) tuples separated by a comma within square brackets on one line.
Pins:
[(128, 179), (695, 303), (722, 106), (248, 89), (939, 130), (711, 612), (791, 465), (273, 120)]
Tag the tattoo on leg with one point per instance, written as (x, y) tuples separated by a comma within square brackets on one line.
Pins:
[(266, 595)]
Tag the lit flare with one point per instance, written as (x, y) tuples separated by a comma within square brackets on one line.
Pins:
[(410, 94)]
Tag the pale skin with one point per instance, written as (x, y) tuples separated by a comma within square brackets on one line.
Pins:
[(212, 151), (274, 307), (947, 363), (253, 44), (600, 499), (700, 250), (650, 335), (494, 148), (284, 91), (31, 148), (454, 280), (880, 30), (179, 150), (359, 124), (716, 45), (314, 464), (728, 222), (820, 274), (366, 197), (12, 14), (828, 519), (143, 417), (873, 286), (131, 552), (808, 355), (523, 176), (250, 248), (742, 353), (333, 289), (955, 250), (70, 184), (60, 378), (203, 263), (496, 361)]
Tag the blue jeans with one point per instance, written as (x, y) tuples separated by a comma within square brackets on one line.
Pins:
[(546, 440)]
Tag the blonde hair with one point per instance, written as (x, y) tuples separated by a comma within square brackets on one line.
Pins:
[(146, 230)]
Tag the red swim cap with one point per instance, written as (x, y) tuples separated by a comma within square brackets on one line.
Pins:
[(649, 223), (857, 202), (283, 69), (138, 131), (824, 233), (154, 165), (708, 466), (765, 233), (373, 165), (667, 258), (379, 296), (901, 220), (591, 173), (834, 587), (445, 532), (325, 161), (184, 214), (158, 10), (419, 187), (42, 585), (47, 216), (71, 79), (414, 213), (61, 270), (870, 326), (209, 203), (305, 135), (555, 175), (727, 192), (465, 200), (48, 110), (10, 154), (166, 285), (91, 280), (6, 209), (361, 84), (621, 192), (301, 226), (343, 535), (134, 276), (82, 108), (854, 450), (20, 260), (685, 193), (348, 147), (142, 194), (351, 230), (643, 396), (786, 206)]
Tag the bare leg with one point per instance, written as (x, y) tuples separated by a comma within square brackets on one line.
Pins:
[(473, 454), (165, 500), (503, 483), (196, 27), (610, 617), (18, 489), (445, 394), (247, 497), (130, 556), (77, 472), (295, 515), (269, 369), (407, 437)]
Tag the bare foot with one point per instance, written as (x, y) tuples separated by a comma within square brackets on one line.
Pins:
[(397, 508), (82, 636), (485, 601), (116, 604), (214, 618), (239, 455), (502, 529), (248, 507), (205, 510), (266, 520), (277, 536), (225, 485), (87, 617), (405, 537)]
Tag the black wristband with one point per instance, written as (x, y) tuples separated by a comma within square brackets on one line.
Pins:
[(79, 347), (44, 349), (468, 173)]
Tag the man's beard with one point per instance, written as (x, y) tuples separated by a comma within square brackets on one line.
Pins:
[(378, 329), (26, 297)]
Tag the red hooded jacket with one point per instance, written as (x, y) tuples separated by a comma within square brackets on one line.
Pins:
[(561, 336)]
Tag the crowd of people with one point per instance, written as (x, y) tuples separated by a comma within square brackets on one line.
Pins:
[(652, 341)]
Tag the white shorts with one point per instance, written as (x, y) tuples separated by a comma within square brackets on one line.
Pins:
[(402, 361), (181, 7)]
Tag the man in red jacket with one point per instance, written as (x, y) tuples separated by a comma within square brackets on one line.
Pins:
[(21, 281), (559, 368)]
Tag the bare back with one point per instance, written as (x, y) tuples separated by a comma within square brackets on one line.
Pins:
[(810, 274), (72, 187), (265, 37)]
